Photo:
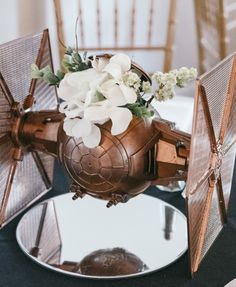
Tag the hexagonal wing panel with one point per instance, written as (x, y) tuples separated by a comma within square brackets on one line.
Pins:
[(25, 181), (212, 157)]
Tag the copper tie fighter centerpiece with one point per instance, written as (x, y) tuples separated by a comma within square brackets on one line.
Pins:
[(121, 167)]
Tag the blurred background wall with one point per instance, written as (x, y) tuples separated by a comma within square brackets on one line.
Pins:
[(22, 17)]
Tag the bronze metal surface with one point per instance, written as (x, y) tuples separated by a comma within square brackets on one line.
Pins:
[(212, 156), (121, 167), (24, 176)]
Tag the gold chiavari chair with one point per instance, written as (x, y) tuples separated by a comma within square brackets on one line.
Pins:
[(216, 27), (131, 27)]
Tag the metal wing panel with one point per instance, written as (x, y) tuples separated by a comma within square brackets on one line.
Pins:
[(27, 187), (217, 90), (5, 163), (15, 64), (229, 144), (227, 169), (200, 152), (45, 95), (196, 211), (206, 210), (214, 224), (197, 184), (16, 58), (48, 164), (5, 116)]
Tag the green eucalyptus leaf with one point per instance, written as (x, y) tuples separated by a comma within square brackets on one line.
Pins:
[(35, 72), (69, 51), (77, 58), (60, 75), (139, 110)]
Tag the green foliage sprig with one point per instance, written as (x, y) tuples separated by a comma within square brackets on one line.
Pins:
[(72, 62), (47, 75), (140, 108)]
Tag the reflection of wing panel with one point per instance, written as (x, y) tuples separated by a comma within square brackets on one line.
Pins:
[(50, 241), (27, 186), (16, 59), (216, 91), (40, 233), (45, 95), (29, 227)]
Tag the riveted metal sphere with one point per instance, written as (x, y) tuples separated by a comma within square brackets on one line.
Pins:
[(119, 165)]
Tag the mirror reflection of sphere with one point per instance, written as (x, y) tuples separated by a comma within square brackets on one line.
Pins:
[(111, 262)]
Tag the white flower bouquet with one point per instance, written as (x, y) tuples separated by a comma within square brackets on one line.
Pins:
[(96, 90)]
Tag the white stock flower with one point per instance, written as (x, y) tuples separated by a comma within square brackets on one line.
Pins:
[(146, 87), (165, 93), (157, 77), (184, 75), (167, 81), (131, 79)]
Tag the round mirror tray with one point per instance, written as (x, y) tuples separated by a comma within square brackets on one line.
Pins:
[(84, 238)]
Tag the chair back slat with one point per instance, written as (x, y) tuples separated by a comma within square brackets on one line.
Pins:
[(133, 16), (170, 36), (81, 23), (98, 15), (116, 23), (150, 22), (133, 22), (60, 28), (216, 27)]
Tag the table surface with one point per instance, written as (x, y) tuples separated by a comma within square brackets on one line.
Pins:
[(217, 269)]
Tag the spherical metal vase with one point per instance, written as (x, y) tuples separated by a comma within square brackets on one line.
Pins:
[(117, 169)]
